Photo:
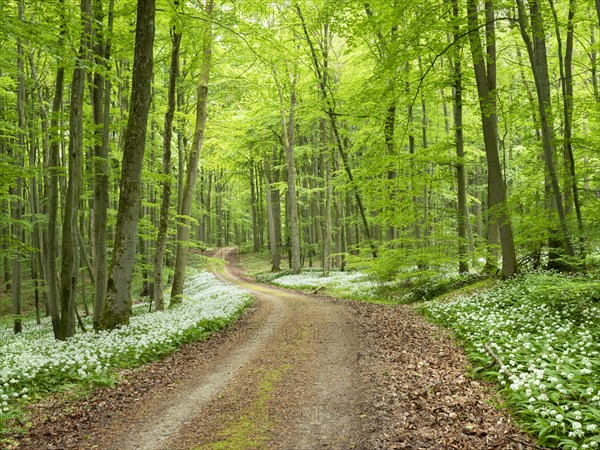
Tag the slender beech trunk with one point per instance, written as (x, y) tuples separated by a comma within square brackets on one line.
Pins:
[(259, 204), (101, 113), (117, 308), (17, 191), (288, 139), (34, 204), (6, 262), (183, 227), (70, 248), (536, 49), (253, 202), (36, 259), (429, 167), (445, 110), (83, 256), (325, 156), (328, 232), (485, 77), (142, 252), (270, 216), (461, 177), (219, 208), (163, 226), (340, 240), (208, 228), (39, 232), (413, 175), (566, 75), (274, 214), (52, 187)]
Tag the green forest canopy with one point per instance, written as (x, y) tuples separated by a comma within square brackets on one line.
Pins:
[(392, 134)]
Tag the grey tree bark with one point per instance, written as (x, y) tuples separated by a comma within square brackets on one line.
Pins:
[(328, 232), (163, 227), (101, 113), (462, 214), (254, 208), (536, 49), (183, 227), (570, 188), (288, 139), (485, 77), (17, 191), (52, 185), (70, 249), (117, 308), (40, 258), (273, 214)]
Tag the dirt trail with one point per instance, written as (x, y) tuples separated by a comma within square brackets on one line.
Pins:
[(294, 372), (306, 351)]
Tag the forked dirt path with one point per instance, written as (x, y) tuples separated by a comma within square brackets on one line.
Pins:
[(289, 379)]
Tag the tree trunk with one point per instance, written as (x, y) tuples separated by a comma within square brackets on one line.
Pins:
[(17, 191), (328, 232), (40, 258), (273, 215), (566, 75), (163, 226), (485, 77), (255, 244), (183, 227), (208, 231), (70, 249), (117, 308), (219, 209), (461, 177), (413, 185), (52, 186), (83, 256), (142, 256), (428, 169), (536, 48), (342, 238), (101, 112), (288, 137), (181, 144), (260, 205)]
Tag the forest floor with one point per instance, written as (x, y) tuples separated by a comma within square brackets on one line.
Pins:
[(296, 371)]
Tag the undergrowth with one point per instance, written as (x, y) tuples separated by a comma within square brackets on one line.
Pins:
[(545, 330), (408, 287), (34, 364)]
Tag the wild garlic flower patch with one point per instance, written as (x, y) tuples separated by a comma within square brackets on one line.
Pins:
[(313, 279), (36, 362), (354, 283), (546, 330)]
